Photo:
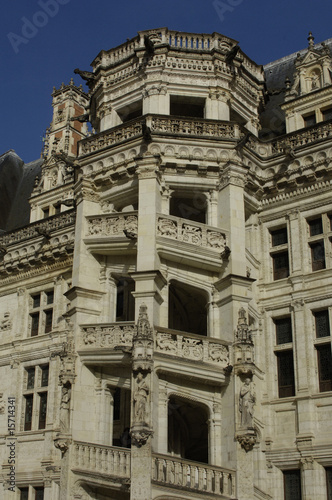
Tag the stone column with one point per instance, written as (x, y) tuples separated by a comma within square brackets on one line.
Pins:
[(156, 100), (141, 409), (231, 216), (294, 243), (105, 420), (313, 480), (217, 105)]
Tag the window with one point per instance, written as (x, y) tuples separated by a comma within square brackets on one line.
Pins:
[(322, 323), (309, 120), (279, 253), (35, 397), (280, 265), (125, 302), (317, 255), (324, 367), (327, 114), (320, 236), (286, 382), (32, 493), (292, 485), (41, 313), (283, 330), (46, 212), (329, 482), (315, 226)]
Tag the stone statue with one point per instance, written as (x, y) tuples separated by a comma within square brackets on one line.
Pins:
[(247, 401), (141, 395), (64, 408)]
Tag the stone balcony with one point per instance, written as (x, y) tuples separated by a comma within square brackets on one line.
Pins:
[(161, 125), (106, 233), (202, 357), (107, 461), (201, 245), (44, 241), (113, 463), (193, 476)]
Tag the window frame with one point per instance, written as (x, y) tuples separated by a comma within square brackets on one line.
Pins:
[(37, 395), (277, 250), (41, 313), (323, 239)]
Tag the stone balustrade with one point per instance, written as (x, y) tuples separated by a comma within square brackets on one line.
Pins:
[(191, 232), (32, 231), (303, 137), (191, 347), (197, 127), (194, 476), (112, 224), (109, 335), (161, 125), (110, 460)]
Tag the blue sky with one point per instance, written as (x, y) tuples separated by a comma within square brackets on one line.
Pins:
[(43, 44)]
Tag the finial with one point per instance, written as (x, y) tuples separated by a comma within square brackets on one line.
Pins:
[(311, 40), (71, 81)]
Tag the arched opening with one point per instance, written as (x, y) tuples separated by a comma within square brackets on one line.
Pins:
[(187, 308), (188, 432)]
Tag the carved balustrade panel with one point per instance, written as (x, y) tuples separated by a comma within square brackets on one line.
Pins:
[(112, 225), (194, 126), (194, 476), (302, 138), (116, 135), (191, 347), (102, 459), (36, 229), (110, 336), (191, 232)]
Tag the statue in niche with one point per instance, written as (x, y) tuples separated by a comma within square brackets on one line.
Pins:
[(141, 396), (64, 408), (247, 401)]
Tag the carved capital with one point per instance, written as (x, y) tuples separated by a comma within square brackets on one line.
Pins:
[(247, 440), (140, 436), (62, 443)]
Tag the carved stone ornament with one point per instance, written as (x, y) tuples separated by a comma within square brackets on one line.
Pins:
[(142, 354), (247, 440), (247, 400), (140, 436), (2, 404), (62, 443), (5, 323)]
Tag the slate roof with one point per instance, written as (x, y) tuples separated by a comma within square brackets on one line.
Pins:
[(16, 184)]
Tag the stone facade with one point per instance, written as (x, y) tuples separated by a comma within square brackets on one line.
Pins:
[(165, 316)]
